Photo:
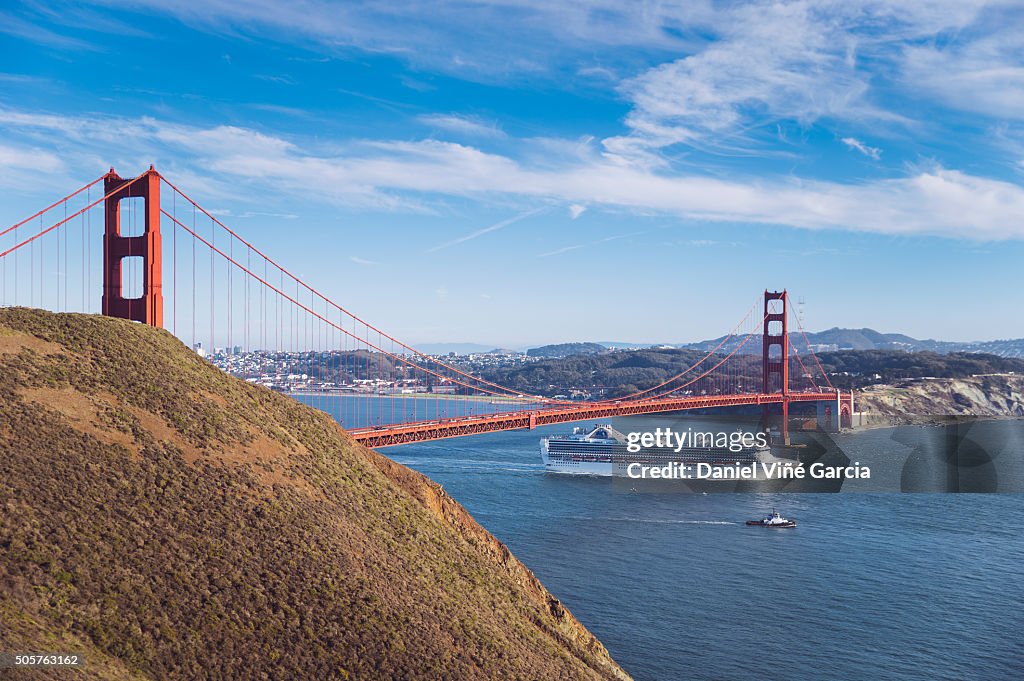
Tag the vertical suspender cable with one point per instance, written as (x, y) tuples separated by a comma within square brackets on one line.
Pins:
[(213, 285), (82, 254), (65, 230), (194, 284), (174, 264), (88, 243), (231, 279)]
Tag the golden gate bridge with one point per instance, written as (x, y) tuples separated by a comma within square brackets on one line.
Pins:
[(157, 257)]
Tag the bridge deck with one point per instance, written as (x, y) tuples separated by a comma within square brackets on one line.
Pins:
[(421, 431)]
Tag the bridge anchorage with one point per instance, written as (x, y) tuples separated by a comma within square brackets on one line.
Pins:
[(249, 315)]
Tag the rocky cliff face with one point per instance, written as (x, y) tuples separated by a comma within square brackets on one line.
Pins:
[(172, 522), (988, 396)]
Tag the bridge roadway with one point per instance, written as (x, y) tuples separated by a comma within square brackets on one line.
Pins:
[(421, 431)]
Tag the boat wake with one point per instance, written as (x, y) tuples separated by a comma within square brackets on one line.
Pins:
[(684, 522), (653, 521)]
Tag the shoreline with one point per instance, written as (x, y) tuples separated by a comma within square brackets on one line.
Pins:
[(894, 420), (426, 396), (932, 421)]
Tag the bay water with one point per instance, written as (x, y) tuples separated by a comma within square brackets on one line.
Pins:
[(872, 584)]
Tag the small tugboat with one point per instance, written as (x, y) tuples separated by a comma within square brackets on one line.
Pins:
[(773, 520)]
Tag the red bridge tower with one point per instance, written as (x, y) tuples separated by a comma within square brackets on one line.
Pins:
[(149, 307), (775, 352)]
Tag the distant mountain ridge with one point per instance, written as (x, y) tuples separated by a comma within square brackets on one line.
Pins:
[(830, 340), (566, 350), (457, 348), (837, 338), (614, 374)]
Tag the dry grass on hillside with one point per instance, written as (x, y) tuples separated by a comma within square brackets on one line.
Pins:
[(175, 523)]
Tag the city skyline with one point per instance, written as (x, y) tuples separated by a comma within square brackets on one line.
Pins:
[(518, 173)]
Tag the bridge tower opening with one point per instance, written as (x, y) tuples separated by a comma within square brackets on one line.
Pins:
[(148, 306), (775, 352)]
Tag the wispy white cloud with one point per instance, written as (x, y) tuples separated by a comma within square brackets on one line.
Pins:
[(559, 251), (21, 168), (362, 261), (283, 110), (416, 84), (713, 76), (486, 230), (574, 247), (275, 78), (723, 68), (576, 210), (931, 201), (984, 75), (21, 78), (228, 213), (857, 145), (29, 159), (808, 61), (772, 62), (487, 39), (33, 31), (469, 126), (220, 140), (599, 72)]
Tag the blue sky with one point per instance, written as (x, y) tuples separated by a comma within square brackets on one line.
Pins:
[(521, 172)]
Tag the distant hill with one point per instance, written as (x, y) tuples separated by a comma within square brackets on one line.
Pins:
[(627, 371), (1003, 348), (457, 348), (829, 340), (169, 521), (867, 339), (859, 368), (836, 339), (623, 345), (566, 350), (620, 372), (503, 351)]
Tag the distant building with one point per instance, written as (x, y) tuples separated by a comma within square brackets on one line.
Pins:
[(198, 347)]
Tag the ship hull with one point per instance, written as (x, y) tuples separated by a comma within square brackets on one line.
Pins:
[(576, 458)]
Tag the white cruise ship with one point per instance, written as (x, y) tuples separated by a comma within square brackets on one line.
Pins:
[(602, 450)]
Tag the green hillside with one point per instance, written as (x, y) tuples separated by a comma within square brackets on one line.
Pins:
[(171, 522)]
